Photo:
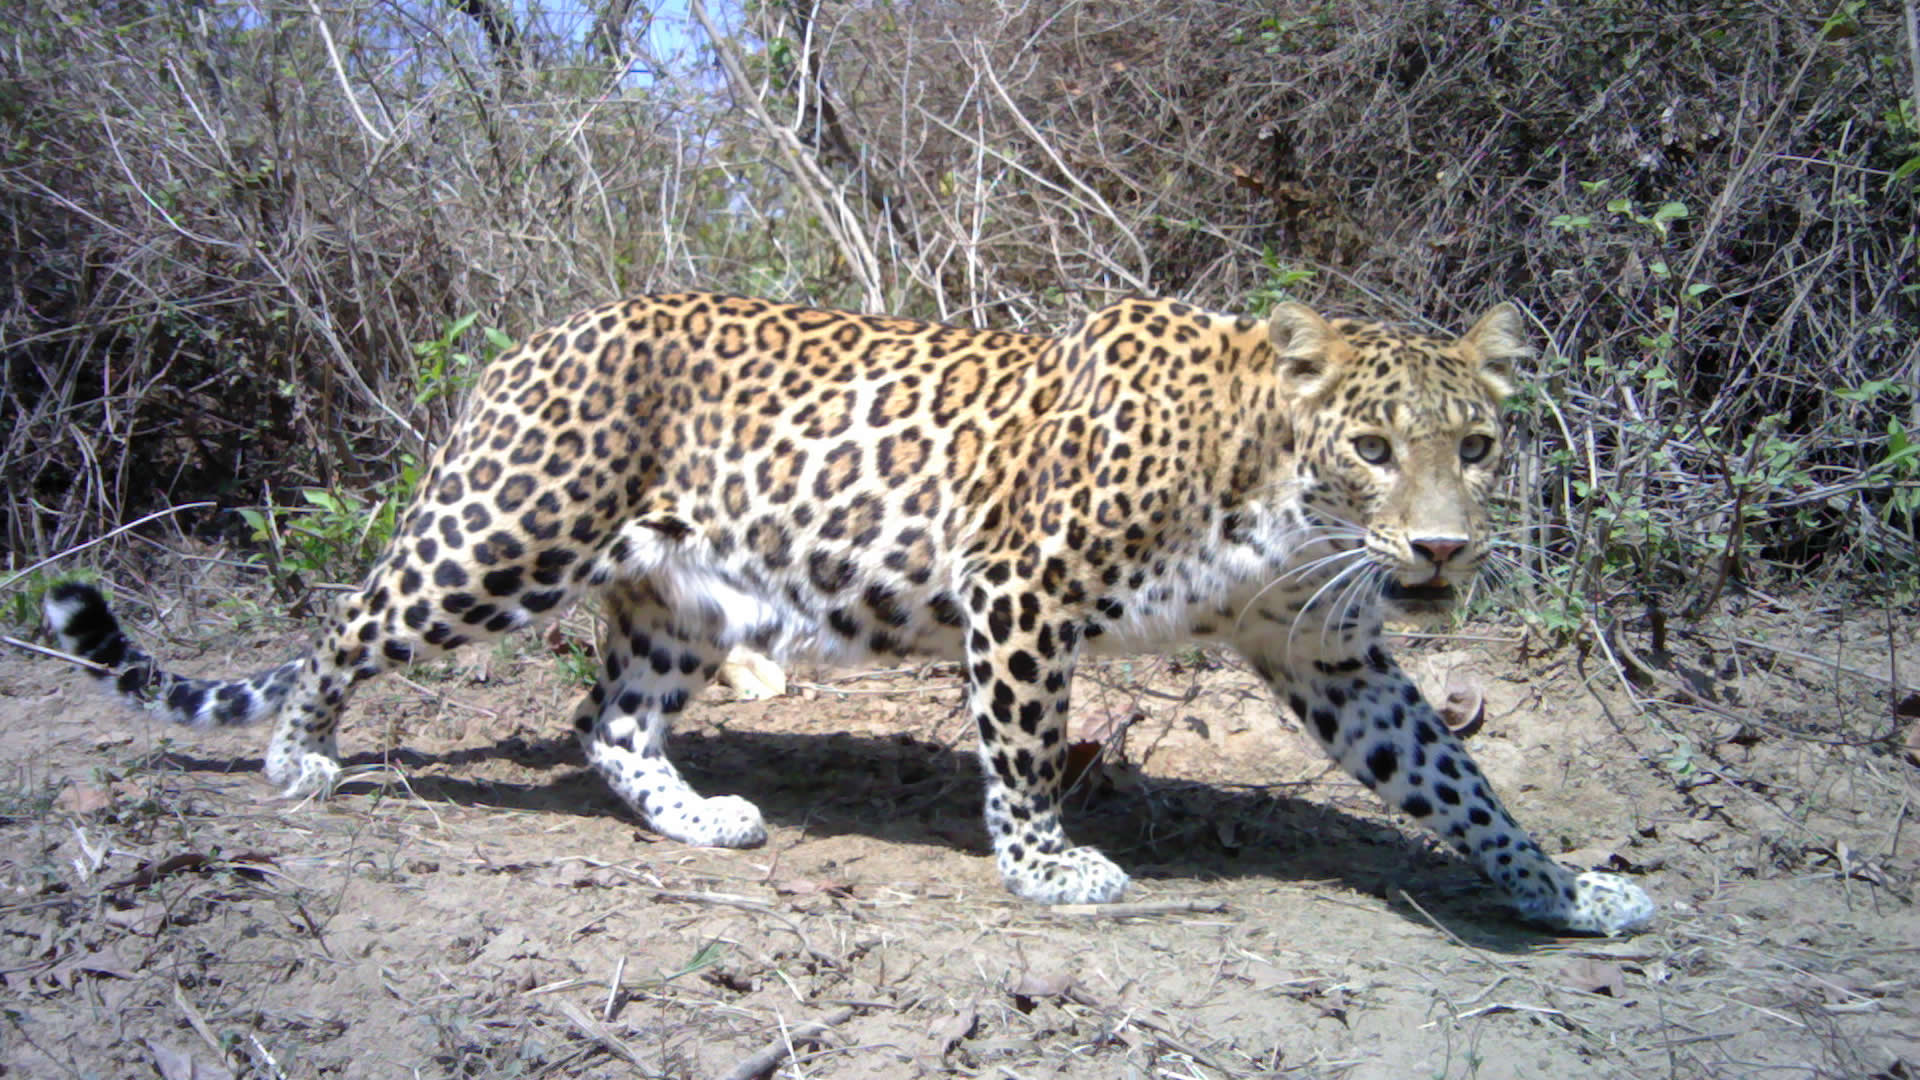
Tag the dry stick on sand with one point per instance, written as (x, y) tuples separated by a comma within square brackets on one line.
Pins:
[(598, 1032), (1121, 1018), (743, 903), (767, 1058), (1145, 907), (77, 661)]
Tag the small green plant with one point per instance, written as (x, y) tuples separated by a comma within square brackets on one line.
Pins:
[(1902, 122), (1897, 472), (1278, 286), (1660, 219), (446, 371), (577, 664), (337, 532), (1679, 759), (713, 952), (1562, 618), (1277, 35)]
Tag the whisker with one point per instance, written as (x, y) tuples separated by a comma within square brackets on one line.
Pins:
[(1504, 568), (1358, 595), (1336, 580), (1338, 520), (1516, 545), (1537, 527), (1297, 572)]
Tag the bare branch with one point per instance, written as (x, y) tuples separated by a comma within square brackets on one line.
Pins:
[(814, 185)]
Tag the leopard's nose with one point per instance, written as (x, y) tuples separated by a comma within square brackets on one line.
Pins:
[(1437, 549)]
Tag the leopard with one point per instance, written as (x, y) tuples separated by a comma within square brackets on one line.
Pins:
[(718, 472)]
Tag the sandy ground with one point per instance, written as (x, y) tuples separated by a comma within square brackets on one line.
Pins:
[(492, 911)]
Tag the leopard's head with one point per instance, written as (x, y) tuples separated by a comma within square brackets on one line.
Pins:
[(1398, 441)]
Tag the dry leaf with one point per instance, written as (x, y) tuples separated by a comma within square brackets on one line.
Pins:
[(752, 676), (175, 1064), (1227, 831), (1334, 1005), (76, 968), (1035, 985), (1591, 976), (1083, 763), (952, 1031), (84, 799), (563, 644), (146, 920), (1464, 708)]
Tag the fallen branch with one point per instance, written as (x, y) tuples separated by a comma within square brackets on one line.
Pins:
[(78, 661), (1144, 908), (767, 1058), (598, 1032), (742, 903), (1162, 1032)]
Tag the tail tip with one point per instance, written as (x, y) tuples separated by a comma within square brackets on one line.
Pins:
[(78, 617)]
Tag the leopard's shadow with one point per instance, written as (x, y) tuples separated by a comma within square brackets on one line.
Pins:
[(902, 789)]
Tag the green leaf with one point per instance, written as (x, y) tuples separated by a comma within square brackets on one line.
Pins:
[(1868, 391), (710, 954), (257, 521), (1672, 211)]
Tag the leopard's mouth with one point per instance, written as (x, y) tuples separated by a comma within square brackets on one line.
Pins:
[(1434, 596)]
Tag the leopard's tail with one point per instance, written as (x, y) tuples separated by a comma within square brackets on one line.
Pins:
[(78, 617)]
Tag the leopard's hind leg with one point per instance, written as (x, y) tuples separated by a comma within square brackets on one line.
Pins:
[(653, 662)]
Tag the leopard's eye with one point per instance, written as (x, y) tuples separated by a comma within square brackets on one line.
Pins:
[(1373, 449), (1475, 448)]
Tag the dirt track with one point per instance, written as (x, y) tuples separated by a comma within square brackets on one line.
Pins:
[(501, 915)]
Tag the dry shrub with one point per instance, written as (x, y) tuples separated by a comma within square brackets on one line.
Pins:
[(222, 257), (1700, 203)]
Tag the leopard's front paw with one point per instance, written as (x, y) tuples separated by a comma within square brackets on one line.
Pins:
[(719, 821), (1608, 904), (1601, 904), (1078, 875)]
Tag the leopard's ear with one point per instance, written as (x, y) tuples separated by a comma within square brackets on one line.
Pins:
[(1304, 347), (1499, 340)]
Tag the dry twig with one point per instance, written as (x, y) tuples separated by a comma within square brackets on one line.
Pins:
[(780, 1048)]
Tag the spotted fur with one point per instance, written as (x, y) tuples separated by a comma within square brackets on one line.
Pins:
[(718, 472)]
